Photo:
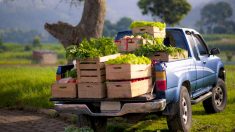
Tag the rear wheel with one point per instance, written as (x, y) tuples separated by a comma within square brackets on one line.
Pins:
[(218, 101), (182, 120)]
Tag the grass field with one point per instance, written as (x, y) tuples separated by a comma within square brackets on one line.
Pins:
[(29, 86), (26, 86)]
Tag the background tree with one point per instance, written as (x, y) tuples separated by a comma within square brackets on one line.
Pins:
[(215, 18), (91, 24), (111, 29), (169, 11), (37, 42)]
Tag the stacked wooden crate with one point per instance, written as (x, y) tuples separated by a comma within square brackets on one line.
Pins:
[(91, 77), (127, 81)]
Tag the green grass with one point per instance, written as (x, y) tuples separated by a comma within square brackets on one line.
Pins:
[(26, 86)]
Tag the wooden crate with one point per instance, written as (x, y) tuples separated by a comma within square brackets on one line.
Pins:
[(131, 44), (127, 71), (92, 70), (128, 89), (91, 90), (64, 90), (154, 31), (164, 56)]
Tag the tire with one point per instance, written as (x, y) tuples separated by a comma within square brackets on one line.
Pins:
[(182, 120), (218, 101)]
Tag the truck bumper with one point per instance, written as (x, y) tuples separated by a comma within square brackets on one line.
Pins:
[(127, 108)]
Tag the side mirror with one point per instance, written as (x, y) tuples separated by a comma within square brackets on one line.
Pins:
[(214, 51)]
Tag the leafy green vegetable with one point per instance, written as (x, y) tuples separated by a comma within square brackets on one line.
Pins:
[(129, 59), (160, 25), (150, 37), (149, 50), (92, 48), (72, 73)]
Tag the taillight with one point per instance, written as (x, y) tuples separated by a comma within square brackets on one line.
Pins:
[(160, 80), (58, 77)]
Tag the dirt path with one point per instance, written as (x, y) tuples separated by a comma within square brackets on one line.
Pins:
[(21, 121)]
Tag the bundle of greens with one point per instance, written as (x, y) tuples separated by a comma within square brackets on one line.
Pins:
[(149, 37), (92, 48), (149, 50), (71, 73), (160, 25), (129, 59)]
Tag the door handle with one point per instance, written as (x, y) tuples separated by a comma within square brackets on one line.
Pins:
[(204, 62)]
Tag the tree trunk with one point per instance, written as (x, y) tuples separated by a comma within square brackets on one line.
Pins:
[(90, 26)]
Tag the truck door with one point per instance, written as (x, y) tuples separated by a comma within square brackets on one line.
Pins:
[(207, 61), (196, 71)]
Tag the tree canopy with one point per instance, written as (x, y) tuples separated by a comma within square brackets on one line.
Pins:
[(215, 18), (111, 29), (169, 11)]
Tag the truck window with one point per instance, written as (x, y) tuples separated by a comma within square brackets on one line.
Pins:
[(200, 45), (175, 38), (192, 44)]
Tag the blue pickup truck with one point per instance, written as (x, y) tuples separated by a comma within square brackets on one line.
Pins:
[(179, 84)]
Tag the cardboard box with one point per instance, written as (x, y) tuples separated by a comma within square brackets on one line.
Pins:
[(92, 70), (64, 90), (127, 71), (154, 31), (164, 56), (91, 90), (128, 89)]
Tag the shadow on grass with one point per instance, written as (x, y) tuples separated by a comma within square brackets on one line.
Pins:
[(199, 112), (149, 123)]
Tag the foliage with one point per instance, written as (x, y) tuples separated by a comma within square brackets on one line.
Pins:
[(18, 35), (150, 37), (92, 48), (170, 11), (160, 25), (72, 73), (129, 59), (37, 42), (111, 29), (215, 20), (151, 49)]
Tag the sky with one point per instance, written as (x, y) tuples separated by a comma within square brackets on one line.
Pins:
[(32, 14)]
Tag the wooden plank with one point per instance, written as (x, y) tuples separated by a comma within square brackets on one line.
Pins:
[(92, 72), (92, 79), (128, 89), (163, 56), (127, 71), (64, 90), (91, 90), (154, 31)]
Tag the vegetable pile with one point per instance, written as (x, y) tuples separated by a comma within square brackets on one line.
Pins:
[(129, 59), (160, 25), (92, 48)]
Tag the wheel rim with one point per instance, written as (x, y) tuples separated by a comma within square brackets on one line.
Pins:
[(185, 110), (218, 96)]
